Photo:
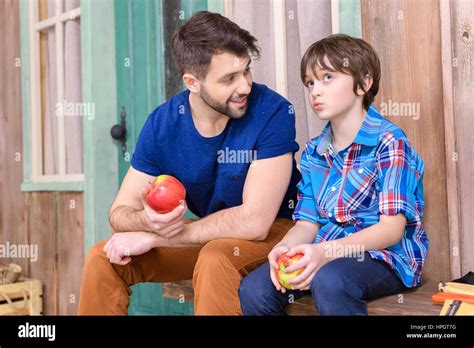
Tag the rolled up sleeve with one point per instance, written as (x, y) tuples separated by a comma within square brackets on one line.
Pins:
[(399, 177)]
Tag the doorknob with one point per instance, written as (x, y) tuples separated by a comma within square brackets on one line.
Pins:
[(119, 131)]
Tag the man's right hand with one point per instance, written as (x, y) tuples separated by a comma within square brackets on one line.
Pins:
[(272, 258), (166, 225)]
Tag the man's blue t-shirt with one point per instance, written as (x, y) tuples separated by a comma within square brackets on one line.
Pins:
[(213, 170)]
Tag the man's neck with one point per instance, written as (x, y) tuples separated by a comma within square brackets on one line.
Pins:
[(346, 126), (207, 121)]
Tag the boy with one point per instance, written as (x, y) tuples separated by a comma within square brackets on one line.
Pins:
[(361, 194)]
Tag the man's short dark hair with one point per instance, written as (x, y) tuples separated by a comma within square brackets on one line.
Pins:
[(348, 55), (206, 34)]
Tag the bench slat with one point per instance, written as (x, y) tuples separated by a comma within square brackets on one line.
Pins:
[(413, 302)]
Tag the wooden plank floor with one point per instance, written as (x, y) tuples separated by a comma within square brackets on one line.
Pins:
[(412, 302)]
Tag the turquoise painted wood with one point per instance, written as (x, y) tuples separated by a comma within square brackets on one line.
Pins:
[(350, 18), (98, 87), (141, 87), (25, 91)]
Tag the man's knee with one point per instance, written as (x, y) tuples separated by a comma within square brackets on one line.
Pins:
[(217, 251), (215, 263), (96, 254)]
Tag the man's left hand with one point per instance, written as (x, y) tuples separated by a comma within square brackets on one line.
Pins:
[(122, 246)]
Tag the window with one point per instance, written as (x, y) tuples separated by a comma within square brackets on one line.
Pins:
[(56, 111)]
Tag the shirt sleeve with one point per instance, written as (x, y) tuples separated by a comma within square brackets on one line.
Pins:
[(306, 206), (144, 158), (400, 173), (279, 134)]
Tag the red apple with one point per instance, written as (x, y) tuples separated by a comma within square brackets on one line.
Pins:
[(284, 261), (165, 193)]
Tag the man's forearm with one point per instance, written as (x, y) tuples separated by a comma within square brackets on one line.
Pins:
[(233, 222), (125, 219)]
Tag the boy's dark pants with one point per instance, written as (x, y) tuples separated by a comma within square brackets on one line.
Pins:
[(339, 288)]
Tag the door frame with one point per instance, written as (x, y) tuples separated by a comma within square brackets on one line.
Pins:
[(100, 151)]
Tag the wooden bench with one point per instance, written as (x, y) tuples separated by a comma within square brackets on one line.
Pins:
[(412, 302)]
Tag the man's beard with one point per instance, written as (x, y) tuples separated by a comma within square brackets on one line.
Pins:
[(224, 108)]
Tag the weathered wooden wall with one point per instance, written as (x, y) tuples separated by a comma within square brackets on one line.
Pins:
[(462, 65), (51, 220), (12, 204), (407, 37)]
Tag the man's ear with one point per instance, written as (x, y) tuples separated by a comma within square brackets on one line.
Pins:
[(368, 81), (192, 82)]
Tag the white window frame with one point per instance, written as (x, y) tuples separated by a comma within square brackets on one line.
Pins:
[(35, 26)]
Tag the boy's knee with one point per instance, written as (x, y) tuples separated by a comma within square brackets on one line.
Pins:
[(331, 282), (246, 297), (252, 294)]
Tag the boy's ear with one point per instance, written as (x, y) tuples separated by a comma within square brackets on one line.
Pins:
[(368, 81), (192, 82)]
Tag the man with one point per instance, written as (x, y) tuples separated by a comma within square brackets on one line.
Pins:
[(231, 142)]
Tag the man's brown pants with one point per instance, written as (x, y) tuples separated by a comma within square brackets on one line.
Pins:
[(216, 269)]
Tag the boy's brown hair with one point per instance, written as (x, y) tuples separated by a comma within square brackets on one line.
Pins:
[(348, 55), (206, 34)]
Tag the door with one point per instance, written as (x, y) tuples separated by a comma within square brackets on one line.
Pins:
[(146, 77)]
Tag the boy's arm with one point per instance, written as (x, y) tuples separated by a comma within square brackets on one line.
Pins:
[(387, 232), (380, 236), (397, 178), (304, 232), (376, 237)]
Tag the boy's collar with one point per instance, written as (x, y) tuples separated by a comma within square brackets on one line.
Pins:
[(368, 133)]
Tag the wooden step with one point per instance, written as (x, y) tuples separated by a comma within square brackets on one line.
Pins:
[(412, 302)]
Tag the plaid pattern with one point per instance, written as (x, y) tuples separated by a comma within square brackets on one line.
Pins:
[(379, 173)]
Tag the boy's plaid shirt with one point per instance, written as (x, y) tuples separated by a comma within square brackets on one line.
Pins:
[(379, 173)]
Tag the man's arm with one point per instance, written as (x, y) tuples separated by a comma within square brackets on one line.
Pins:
[(130, 213), (126, 213), (264, 189)]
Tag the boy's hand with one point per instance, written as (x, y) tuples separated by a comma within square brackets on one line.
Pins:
[(272, 258), (314, 258), (166, 225)]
